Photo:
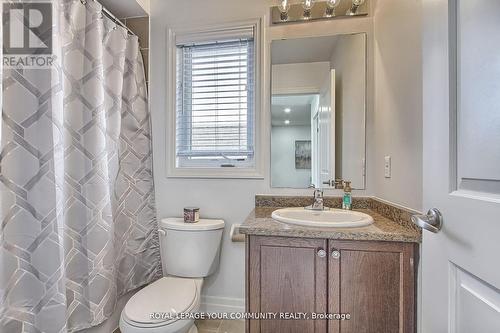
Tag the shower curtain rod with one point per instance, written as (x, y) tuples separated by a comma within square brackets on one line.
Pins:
[(114, 18)]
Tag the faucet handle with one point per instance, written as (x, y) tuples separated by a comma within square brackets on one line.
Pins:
[(339, 183)]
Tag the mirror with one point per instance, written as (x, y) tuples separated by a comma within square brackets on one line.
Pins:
[(318, 110)]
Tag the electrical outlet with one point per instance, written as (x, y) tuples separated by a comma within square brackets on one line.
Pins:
[(387, 167)]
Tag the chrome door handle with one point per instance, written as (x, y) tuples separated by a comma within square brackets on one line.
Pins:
[(433, 221), (321, 253), (328, 182), (335, 254)]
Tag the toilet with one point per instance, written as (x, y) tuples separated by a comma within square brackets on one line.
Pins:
[(189, 252)]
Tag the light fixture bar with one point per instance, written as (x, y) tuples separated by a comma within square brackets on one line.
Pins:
[(307, 10)]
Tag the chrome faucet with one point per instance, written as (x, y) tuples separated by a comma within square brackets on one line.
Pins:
[(318, 201)]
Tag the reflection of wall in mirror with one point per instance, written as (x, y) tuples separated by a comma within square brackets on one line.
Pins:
[(299, 78), (348, 60), (283, 171)]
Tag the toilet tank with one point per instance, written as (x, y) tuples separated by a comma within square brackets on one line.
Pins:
[(190, 249)]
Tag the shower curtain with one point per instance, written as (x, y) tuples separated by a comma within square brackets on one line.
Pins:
[(78, 225)]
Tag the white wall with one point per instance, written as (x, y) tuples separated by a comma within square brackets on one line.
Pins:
[(230, 199), (398, 101), (349, 61), (283, 172)]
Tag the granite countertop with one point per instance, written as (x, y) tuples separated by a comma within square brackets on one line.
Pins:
[(259, 222)]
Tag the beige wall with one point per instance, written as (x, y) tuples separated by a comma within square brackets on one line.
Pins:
[(145, 4), (398, 101), (233, 199)]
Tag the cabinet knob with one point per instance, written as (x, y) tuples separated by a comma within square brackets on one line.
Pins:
[(335, 254), (321, 253)]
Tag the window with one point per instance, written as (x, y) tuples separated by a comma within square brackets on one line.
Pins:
[(215, 102)]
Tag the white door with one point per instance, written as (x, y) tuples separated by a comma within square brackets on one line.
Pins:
[(315, 171), (461, 88), (326, 130)]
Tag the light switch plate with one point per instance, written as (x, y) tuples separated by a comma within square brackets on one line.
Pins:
[(387, 167)]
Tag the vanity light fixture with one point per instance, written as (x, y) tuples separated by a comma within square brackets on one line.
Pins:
[(284, 7), (307, 5), (354, 7), (287, 110), (295, 11), (287, 122), (330, 7)]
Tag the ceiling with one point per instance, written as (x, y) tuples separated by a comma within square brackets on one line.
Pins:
[(124, 8), (300, 106)]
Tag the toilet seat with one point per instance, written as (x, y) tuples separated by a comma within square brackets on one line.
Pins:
[(166, 295)]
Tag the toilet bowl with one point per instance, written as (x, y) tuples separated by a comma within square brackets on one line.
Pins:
[(154, 308), (189, 252)]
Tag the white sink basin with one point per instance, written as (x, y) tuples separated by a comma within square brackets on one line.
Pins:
[(332, 218)]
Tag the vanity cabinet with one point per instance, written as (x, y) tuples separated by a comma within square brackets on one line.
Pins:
[(374, 282), (286, 275)]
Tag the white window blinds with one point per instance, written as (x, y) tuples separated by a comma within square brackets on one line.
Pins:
[(215, 103)]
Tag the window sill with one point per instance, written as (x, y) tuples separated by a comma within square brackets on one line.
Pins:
[(214, 173)]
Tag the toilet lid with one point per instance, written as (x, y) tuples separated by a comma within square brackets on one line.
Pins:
[(176, 223), (166, 296)]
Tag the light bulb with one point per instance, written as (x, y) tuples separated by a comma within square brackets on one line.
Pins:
[(330, 7), (307, 5), (284, 7), (332, 3), (287, 110), (354, 7), (287, 122)]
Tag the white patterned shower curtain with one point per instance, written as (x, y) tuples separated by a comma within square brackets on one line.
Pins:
[(78, 225)]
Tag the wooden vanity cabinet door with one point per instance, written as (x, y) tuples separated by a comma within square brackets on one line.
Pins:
[(286, 275), (375, 283)]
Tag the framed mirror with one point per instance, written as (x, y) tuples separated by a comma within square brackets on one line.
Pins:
[(318, 111)]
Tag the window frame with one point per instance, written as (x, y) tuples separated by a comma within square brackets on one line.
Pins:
[(204, 33), (186, 155)]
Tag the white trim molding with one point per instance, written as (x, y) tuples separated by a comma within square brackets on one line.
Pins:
[(178, 34), (215, 304)]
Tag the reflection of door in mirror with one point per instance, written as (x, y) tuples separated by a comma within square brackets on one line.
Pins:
[(318, 94), (325, 153)]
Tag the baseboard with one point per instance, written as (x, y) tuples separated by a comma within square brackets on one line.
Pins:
[(216, 304), (390, 203)]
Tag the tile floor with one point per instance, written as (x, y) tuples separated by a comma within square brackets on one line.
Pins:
[(217, 326), (221, 326)]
